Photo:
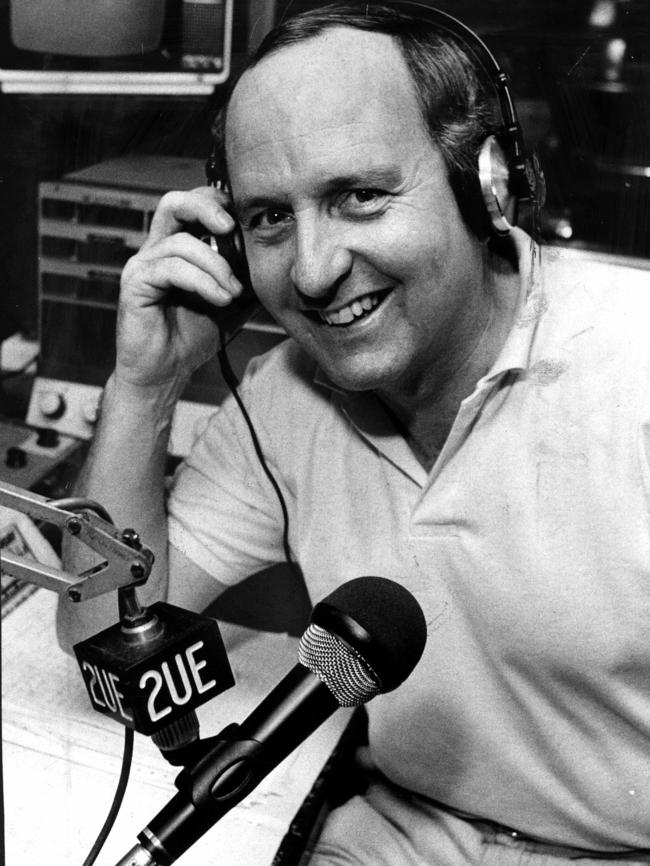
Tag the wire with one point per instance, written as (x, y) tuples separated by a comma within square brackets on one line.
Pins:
[(233, 385), (127, 757), (232, 382), (78, 503)]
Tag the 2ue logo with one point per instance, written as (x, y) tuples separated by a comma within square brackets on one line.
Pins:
[(157, 691)]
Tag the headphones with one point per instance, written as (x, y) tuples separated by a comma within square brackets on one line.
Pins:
[(506, 173)]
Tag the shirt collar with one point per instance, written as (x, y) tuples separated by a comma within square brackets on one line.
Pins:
[(374, 423), (531, 305)]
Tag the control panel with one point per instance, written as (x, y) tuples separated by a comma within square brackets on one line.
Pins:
[(72, 409), (75, 407), (28, 457)]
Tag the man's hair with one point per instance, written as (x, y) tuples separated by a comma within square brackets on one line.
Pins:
[(456, 98)]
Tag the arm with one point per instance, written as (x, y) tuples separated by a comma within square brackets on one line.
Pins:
[(159, 345)]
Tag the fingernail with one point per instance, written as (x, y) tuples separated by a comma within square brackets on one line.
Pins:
[(224, 220), (235, 285), (222, 296)]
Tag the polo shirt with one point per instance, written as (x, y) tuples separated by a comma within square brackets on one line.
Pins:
[(527, 546)]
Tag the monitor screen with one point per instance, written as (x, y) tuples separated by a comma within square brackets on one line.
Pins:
[(113, 46), (104, 28)]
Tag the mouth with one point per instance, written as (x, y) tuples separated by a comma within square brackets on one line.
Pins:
[(359, 309)]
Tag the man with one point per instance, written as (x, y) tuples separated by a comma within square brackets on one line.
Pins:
[(448, 413)]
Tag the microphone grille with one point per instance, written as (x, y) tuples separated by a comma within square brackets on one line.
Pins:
[(345, 673)]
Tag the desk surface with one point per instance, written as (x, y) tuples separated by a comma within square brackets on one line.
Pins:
[(61, 759)]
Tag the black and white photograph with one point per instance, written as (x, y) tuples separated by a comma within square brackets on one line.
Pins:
[(325, 432)]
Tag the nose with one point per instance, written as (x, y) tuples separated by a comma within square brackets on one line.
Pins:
[(321, 260)]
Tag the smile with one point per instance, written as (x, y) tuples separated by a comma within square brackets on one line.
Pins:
[(358, 309)]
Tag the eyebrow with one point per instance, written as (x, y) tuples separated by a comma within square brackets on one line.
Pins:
[(379, 176), (389, 177)]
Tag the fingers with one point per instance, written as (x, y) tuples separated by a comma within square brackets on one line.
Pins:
[(170, 288), (172, 259), (185, 262), (179, 262), (176, 210)]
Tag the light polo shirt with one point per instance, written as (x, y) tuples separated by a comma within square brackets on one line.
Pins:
[(527, 545)]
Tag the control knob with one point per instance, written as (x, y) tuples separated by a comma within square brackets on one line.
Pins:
[(90, 412), (52, 404), (15, 457)]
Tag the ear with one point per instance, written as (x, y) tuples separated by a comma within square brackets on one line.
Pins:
[(494, 179)]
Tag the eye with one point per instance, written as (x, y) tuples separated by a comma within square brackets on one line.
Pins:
[(364, 201), (272, 218), (363, 196)]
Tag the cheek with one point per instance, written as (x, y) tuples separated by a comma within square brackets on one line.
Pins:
[(408, 259), (406, 241), (270, 275), (429, 253)]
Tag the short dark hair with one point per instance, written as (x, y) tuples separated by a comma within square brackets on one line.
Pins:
[(457, 103)]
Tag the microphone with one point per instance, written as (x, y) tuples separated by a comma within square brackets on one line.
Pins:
[(364, 639)]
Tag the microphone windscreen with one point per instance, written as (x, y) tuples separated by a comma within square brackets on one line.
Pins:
[(381, 621), (343, 671)]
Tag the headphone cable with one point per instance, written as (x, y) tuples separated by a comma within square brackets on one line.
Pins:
[(233, 384)]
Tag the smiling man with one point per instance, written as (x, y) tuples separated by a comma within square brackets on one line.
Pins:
[(449, 412), (354, 238)]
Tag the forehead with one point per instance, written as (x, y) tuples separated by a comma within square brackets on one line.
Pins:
[(344, 89)]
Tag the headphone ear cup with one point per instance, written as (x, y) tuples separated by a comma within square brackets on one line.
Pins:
[(494, 179)]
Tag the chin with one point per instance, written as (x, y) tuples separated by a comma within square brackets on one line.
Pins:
[(361, 377), (357, 366)]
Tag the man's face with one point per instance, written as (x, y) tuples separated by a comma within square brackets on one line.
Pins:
[(353, 236)]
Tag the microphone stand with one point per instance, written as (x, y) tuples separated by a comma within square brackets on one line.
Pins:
[(231, 765)]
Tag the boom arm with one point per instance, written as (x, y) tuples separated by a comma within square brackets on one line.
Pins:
[(126, 561)]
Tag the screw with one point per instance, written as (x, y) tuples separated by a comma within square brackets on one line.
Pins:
[(74, 595), (131, 537), (137, 570), (74, 526)]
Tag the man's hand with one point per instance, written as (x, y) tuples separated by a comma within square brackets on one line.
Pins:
[(160, 339)]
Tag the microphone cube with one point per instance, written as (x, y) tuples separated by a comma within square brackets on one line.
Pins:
[(149, 677)]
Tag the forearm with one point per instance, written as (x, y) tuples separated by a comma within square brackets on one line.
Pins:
[(125, 473)]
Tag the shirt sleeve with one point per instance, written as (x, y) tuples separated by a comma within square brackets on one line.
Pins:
[(223, 512)]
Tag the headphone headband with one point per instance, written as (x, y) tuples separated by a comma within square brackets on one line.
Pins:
[(522, 179), (504, 177)]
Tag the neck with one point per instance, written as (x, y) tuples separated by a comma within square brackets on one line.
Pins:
[(426, 406)]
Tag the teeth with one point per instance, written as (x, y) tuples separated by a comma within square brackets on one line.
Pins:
[(353, 311), (344, 316)]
